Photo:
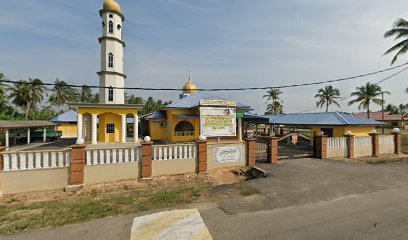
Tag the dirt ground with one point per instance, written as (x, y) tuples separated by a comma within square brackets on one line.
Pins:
[(214, 177)]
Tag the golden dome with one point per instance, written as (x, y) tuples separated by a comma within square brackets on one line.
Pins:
[(111, 5), (189, 87)]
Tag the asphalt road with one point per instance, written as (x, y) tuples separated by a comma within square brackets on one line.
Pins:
[(301, 199)]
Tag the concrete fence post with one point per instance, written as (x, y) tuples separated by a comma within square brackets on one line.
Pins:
[(350, 146), (147, 156), (251, 152), (201, 156), (273, 150), (2, 149), (397, 142), (77, 167), (321, 147), (376, 144)]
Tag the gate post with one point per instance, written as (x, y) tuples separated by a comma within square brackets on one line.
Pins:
[(321, 147), (77, 168), (147, 156), (272, 150), (1, 167), (201, 156), (251, 152), (397, 142), (376, 144), (350, 146)]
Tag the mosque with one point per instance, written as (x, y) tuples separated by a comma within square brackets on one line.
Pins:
[(111, 120)]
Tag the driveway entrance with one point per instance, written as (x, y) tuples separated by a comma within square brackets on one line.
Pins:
[(295, 145)]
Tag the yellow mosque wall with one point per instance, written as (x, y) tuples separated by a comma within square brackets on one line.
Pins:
[(165, 129)]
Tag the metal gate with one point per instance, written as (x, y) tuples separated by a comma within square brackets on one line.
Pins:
[(261, 149), (404, 143), (295, 145)]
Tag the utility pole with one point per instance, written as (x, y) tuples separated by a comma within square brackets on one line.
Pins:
[(382, 110)]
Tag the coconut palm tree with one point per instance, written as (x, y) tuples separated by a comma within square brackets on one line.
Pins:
[(61, 94), (399, 31), (327, 96), (402, 110), (366, 95), (85, 94), (276, 106), (35, 94), (3, 95), (18, 95)]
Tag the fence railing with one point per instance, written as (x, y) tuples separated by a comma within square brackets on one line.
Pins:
[(337, 142), (363, 141), (179, 151), (112, 155), (30, 160), (387, 139)]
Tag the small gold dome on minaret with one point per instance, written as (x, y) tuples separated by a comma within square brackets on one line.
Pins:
[(190, 87), (111, 5)]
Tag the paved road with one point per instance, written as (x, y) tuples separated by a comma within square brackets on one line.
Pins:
[(302, 199)]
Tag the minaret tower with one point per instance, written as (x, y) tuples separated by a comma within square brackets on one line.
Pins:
[(112, 44)]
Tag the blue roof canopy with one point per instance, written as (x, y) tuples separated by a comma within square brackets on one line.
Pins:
[(320, 119)]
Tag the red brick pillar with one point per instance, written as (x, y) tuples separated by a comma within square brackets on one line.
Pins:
[(78, 159), (376, 144), (273, 150), (147, 156), (397, 142), (1, 166), (201, 156), (251, 152), (321, 147), (350, 146)]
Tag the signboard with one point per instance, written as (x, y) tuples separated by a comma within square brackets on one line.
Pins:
[(204, 102), (228, 154), (218, 122)]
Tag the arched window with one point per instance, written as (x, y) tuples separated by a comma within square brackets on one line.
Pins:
[(184, 128), (110, 94), (110, 27), (119, 27), (110, 60)]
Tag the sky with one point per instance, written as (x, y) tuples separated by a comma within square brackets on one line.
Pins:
[(224, 43)]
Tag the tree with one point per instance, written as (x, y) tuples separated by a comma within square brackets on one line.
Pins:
[(392, 109), (132, 99), (276, 106), (18, 94), (35, 94), (366, 95), (61, 94), (402, 109), (399, 31), (86, 95), (3, 93), (327, 96)]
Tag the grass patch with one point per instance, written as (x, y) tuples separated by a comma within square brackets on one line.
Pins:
[(18, 217), (247, 190)]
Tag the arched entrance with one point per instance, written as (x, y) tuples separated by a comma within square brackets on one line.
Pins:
[(184, 128)]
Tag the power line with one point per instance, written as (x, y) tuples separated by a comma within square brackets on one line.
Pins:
[(232, 89), (349, 96)]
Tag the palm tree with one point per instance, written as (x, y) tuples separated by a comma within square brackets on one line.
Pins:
[(276, 106), (402, 110), (3, 95), (86, 94), (367, 94), (35, 94), (61, 94), (327, 96), (18, 94), (399, 30)]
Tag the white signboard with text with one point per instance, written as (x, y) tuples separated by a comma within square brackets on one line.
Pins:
[(218, 121), (228, 154)]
